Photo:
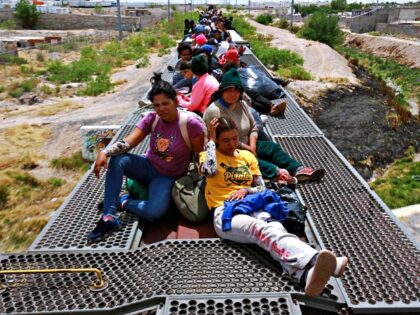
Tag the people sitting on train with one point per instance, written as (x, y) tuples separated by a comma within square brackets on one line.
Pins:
[(202, 90), (200, 40), (274, 162), (185, 85), (184, 54), (235, 192), (166, 159)]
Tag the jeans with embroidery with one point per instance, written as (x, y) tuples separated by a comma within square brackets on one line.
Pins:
[(138, 168)]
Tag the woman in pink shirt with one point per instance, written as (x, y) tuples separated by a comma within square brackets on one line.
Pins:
[(202, 90)]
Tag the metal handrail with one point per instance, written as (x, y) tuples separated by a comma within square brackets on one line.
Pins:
[(98, 286)]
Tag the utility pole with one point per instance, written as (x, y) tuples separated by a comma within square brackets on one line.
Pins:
[(120, 36), (249, 7), (169, 10), (291, 16), (185, 6)]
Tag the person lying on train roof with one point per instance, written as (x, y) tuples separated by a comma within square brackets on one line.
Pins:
[(166, 160)]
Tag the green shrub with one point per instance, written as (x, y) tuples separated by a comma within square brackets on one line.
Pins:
[(295, 72), (69, 45), (166, 41), (40, 56), (25, 69), (375, 33), (98, 8), (73, 162), (16, 93), (283, 23), (8, 25), (398, 188), (12, 59), (56, 182), (173, 7), (46, 89), (323, 28), (2, 88), (4, 195), (97, 86), (27, 13), (264, 19), (229, 7), (24, 178), (29, 85)]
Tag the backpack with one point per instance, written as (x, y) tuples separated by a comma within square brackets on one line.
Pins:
[(295, 221), (189, 197)]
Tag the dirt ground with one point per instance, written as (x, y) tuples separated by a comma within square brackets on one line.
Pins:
[(406, 52), (108, 109)]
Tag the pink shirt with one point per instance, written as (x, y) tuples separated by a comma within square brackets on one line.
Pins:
[(168, 152), (200, 95)]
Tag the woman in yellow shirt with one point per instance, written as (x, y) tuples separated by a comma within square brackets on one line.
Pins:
[(232, 175)]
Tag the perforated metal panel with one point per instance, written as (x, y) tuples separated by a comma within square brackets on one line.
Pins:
[(136, 116), (167, 268), (244, 304), (294, 122), (383, 269), (71, 223)]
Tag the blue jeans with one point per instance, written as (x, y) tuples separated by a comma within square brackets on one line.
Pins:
[(138, 168)]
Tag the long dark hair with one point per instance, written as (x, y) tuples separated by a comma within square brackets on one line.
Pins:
[(225, 124), (160, 86)]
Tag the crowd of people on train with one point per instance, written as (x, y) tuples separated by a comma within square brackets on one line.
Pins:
[(224, 129)]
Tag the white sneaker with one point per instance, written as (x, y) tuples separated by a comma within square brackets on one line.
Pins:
[(341, 266), (320, 273)]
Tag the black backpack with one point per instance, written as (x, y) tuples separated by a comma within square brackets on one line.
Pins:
[(295, 221)]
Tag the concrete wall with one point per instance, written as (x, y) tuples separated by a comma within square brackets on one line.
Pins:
[(407, 29), (75, 21), (367, 23)]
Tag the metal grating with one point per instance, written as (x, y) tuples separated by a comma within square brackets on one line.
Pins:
[(136, 116), (383, 267), (69, 227), (294, 122), (250, 59), (208, 266), (244, 304)]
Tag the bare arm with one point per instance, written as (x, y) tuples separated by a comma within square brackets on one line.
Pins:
[(119, 147)]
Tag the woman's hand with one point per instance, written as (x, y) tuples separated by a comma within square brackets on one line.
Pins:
[(212, 129), (249, 148), (101, 161), (238, 195)]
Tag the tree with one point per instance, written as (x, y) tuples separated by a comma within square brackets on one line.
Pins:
[(27, 14), (323, 28), (339, 5)]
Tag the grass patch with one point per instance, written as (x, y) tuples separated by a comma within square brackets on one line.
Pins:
[(25, 141), (286, 63), (25, 201), (63, 106), (74, 162), (397, 187), (407, 79), (334, 80)]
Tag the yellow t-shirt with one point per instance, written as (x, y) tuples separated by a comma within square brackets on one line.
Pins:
[(233, 173)]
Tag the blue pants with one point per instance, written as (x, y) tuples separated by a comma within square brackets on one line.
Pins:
[(138, 168)]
